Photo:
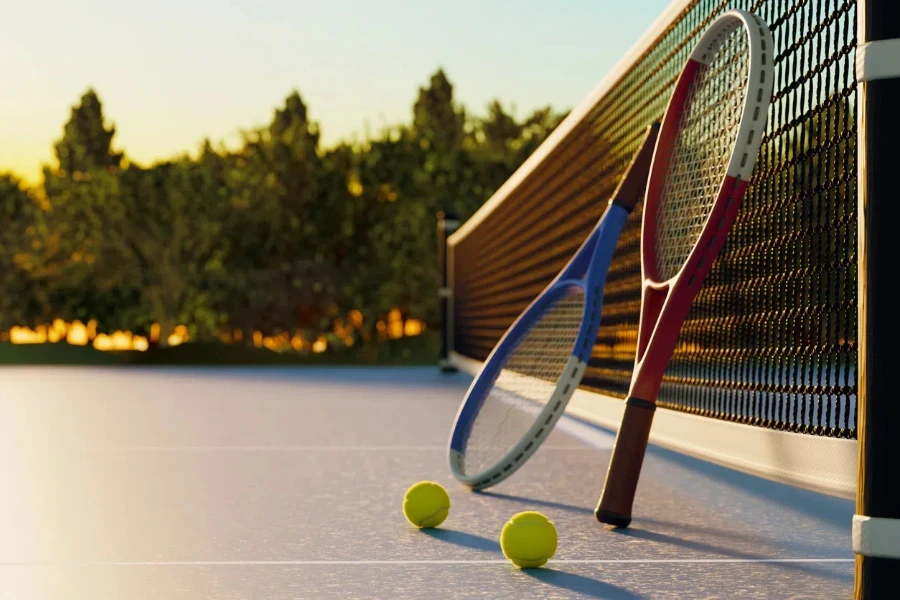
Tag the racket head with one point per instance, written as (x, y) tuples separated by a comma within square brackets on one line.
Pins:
[(707, 148), (523, 387), (525, 384)]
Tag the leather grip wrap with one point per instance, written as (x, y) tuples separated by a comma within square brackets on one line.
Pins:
[(625, 467)]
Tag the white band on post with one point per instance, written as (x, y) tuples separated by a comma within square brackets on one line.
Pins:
[(873, 536), (878, 60)]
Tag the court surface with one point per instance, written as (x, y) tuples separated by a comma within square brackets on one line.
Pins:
[(287, 483)]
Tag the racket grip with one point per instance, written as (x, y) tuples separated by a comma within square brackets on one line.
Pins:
[(628, 453)]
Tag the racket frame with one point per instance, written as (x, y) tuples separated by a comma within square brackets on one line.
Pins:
[(665, 304), (585, 273)]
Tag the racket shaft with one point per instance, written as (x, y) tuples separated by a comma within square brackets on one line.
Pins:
[(624, 472)]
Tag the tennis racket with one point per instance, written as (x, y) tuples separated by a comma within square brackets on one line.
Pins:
[(526, 382), (707, 148)]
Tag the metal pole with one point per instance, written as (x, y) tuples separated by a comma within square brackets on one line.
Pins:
[(446, 224), (876, 525)]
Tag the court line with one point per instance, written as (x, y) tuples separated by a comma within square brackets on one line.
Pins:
[(299, 563), (124, 448)]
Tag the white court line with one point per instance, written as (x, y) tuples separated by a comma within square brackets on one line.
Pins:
[(261, 448), (300, 563), (276, 448)]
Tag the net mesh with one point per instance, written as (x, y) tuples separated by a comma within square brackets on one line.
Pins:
[(707, 131), (771, 338), (526, 381)]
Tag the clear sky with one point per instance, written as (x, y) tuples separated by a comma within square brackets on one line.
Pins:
[(171, 72)]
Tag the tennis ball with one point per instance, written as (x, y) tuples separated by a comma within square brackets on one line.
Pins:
[(528, 540), (426, 504)]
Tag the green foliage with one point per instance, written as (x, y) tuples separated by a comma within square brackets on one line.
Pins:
[(437, 120), (277, 235), (87, 143), (21, 301)]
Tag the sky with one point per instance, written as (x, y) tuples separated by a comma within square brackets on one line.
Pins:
[(173, 72)]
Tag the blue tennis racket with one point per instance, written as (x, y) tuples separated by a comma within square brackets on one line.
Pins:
[(525, 384)]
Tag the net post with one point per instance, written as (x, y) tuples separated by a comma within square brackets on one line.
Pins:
[(447, 223), (876, 525)]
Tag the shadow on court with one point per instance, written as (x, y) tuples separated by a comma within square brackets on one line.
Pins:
[(829, 510), (579, 584), (661, 538), (538, 502), (726, 538), (466, 540)]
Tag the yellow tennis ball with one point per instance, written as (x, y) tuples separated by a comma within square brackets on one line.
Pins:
[(426, 504), (528, 540)]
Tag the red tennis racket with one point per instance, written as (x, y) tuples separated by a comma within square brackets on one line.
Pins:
[(705, 153)]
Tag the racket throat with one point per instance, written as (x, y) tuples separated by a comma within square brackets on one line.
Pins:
[(654, 298)]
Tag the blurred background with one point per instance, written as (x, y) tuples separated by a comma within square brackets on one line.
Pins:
[(254, 182)]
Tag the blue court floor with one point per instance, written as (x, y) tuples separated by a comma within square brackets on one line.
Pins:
[(287, 483)]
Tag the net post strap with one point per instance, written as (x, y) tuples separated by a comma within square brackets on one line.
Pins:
[(878, 60), (876, 537)]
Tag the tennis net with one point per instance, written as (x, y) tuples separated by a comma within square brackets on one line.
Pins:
[(765, 374)]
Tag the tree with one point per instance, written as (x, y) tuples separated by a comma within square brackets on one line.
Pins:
[(280, 264), (175, 253), (436, 118), (500, 130), (22, 301), (86, 144), (80, 192), (292, 154), (279, 235)]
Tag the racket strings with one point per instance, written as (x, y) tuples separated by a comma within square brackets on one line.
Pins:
[(524, 385), (708, 130)]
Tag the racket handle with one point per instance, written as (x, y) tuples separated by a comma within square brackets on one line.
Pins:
[(617, 498)]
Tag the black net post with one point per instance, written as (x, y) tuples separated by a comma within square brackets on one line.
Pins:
[(876, 525), (446, 225)]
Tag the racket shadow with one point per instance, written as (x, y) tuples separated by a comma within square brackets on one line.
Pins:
[(831, 511), (537, 502), (725, 536), (662, 538), (463, 539), (578, 584)]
